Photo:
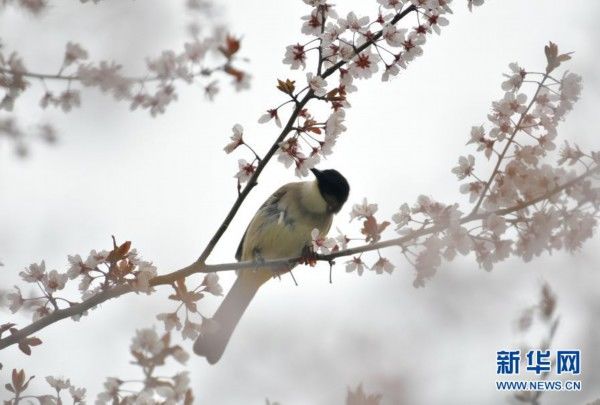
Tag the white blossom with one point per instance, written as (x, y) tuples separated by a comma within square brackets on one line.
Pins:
[(236, 139), (383, 265), (246, 170), (295, 56), (317, 84), (515, 79), (35, 272), (465, 167), (364, 65), (495, 224), (402, 217), (54, 281), (355, 264), (363, 210), (211, 284), (320, 243), (147, 341)]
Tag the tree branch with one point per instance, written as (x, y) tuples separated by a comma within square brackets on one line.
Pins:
[(252, 182), (200, 266), (279, 265), (510, 142)]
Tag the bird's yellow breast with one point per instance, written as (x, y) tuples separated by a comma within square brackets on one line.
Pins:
[(285, 233)]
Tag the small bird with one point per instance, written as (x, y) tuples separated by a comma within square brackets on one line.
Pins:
[(280, 228)]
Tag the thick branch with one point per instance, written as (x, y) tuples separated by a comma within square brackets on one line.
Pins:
[(276, 265)]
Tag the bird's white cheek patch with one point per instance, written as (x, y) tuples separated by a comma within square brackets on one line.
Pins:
[(312, 199)]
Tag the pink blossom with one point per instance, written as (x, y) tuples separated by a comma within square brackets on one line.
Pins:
[(515, 79), (236, 139), (495, 224), (35, 272), (73, 53), (465, 167), (211, 284), (317, 84), (295, 56), (246, 170), (393, 36), (303, 165), (334, 125), (363, 210), (382, 265), (353, 23), (364, 65), (54, 281), (320, 243), (435, 21), (312, 23), (355, 264), (391, 4), (474, 189), (402, 217), (268, 116), (170, 320), (570, 154)]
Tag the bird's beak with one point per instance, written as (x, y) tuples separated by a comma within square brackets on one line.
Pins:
[(315, 172)]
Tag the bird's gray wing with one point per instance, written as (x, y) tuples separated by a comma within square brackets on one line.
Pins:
[(269, 208)]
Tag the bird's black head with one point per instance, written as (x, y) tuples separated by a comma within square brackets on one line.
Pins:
[(333, 187)]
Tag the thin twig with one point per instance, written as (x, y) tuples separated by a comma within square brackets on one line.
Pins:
[(510, 142)]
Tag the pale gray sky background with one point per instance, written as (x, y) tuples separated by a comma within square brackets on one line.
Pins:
[(165, 184)]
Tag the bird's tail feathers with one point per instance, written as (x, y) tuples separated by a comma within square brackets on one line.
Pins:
[(212, 344)]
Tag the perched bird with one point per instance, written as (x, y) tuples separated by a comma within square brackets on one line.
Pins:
[(280, 228)]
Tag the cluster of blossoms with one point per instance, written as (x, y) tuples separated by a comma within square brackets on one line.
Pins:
[(153, 92), (371, 233), (100, 271), (20, 383), (149, 350), (354, 47), (187, 303), (20, 138), (367, 44), (527, 205), (200, 58)]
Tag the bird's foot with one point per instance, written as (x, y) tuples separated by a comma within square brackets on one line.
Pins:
[(308, 257)]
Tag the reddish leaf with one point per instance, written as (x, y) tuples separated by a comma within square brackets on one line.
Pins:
[(25, 343), (554, 59), (189, 398), (232, 45), (24, 347), (236, 73), (33, 341), (372, 230), (287, 87), (5, 327), (119, 252)]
